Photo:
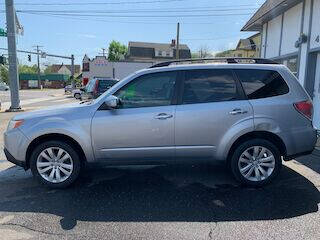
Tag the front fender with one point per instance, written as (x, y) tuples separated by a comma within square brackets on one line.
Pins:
[(79, 130)]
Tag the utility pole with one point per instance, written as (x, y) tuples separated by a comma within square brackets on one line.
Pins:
[(72, 71), (103, 52), (12, 55), (38, 61), (177, 48)]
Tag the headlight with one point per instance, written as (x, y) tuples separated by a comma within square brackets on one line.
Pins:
[(14, 124)]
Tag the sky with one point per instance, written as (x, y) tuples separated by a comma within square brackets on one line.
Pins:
[(84, 27)]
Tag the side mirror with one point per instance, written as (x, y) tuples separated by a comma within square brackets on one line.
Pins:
[(112, 102)]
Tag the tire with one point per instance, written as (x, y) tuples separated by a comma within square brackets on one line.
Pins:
[(68, 172), (240, 159), (77, 96)]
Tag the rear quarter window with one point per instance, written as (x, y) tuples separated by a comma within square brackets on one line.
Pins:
[(261, 83)]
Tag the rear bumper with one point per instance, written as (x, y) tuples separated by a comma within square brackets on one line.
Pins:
[(10, 158), (299, 142)]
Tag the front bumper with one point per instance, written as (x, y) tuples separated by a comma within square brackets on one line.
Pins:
[(10, 158), (16, 144)]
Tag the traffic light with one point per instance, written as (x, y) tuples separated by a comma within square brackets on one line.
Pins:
[(29, 57), (3, 60)]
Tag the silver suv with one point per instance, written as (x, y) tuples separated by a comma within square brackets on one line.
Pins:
[(249, 115)]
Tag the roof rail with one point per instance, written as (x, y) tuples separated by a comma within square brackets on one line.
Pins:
[(213, 60)]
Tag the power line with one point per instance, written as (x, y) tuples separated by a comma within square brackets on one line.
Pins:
[(99, 3), (218, 38), (121, 22), (150, 16), (134, 11)]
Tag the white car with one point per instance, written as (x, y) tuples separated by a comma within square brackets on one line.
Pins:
[(4, 86), (76, 93)]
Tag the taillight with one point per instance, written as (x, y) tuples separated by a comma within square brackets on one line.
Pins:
[(305, 108)]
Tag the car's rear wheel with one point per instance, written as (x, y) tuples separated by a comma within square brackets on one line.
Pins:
[(55, 164), (256, 162)]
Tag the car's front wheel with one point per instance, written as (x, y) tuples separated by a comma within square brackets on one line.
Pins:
[(77, 95), (256, 162), (55, 164)]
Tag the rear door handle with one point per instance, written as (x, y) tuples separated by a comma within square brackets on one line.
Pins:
[(163, 116), (237, 111)]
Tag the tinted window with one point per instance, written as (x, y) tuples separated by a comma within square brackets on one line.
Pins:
[(104, 85), (203, 86), (148, 91), (262, 83)]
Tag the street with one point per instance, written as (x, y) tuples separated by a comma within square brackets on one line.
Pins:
[(164, 202)]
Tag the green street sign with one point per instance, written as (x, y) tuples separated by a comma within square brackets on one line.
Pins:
[(3, 33)]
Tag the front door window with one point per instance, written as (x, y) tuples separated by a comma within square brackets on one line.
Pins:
[(149, 90)]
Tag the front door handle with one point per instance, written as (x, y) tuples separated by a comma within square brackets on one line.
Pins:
[(237, 111), (162, 116)]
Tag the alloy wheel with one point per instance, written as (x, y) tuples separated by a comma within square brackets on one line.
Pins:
[(256, 163), (54, 164)]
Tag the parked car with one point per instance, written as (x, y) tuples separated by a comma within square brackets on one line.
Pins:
[(250, 116), (76, 93), (4, 86), (97, 86), (68, 89)]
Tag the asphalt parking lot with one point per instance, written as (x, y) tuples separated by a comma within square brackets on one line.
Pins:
[(163, 202)]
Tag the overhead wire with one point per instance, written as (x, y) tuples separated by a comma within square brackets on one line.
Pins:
[(99, 3)]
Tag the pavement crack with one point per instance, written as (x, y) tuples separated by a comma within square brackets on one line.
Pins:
[(212, 229)]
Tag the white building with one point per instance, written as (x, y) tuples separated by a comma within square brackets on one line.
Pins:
[(101, 67), (290, 32)]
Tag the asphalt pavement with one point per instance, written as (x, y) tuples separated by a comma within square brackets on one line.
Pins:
[(163, 202)]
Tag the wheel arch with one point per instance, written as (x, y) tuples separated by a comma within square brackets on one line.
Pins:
[(58, 137), (269, 136)]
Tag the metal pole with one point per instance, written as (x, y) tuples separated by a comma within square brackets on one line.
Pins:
[(12, 53), (177, 49), (48, 55), (38, 61), (72, 71)]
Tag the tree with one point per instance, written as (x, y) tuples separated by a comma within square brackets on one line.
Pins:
[(28, 69), (194, 55), (224, 53), (48, 70), (117, 51), (4, 75), (204, 52)]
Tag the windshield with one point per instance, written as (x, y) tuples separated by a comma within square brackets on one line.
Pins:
[(90, 85)]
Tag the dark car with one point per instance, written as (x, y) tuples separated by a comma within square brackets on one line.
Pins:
[(97, 86)]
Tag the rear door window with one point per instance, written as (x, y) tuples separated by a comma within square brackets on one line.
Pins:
[(209, 85), (261, 83)]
